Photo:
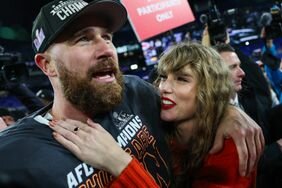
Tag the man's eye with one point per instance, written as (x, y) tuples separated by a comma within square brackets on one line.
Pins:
[(108, 37), (232, 67), (83, 39)]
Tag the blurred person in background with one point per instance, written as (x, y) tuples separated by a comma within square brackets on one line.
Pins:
[(269, 174), (272, 63), (274, 144), (231, 59), (255, 88), (270, 165)]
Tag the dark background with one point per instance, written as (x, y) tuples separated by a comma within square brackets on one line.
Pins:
[(19, 15), (16, 17)]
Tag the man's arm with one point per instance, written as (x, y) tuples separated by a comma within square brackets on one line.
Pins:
[(247, 136)]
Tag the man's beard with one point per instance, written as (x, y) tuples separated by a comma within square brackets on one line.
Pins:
[(89, 97)]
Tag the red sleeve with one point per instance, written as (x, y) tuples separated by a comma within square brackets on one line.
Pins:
[(134, 175), (221, 170)]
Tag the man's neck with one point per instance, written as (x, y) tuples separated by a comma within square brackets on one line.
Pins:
[(234, 98), (62, 109), (235, 101)]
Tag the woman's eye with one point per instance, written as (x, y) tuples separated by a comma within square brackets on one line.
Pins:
[(182, 79), (163, 77)]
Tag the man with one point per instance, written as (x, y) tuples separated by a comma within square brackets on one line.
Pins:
[(237, 74), (73, 45), (255, 83), (244, 97), (272, 63), (272, 154)]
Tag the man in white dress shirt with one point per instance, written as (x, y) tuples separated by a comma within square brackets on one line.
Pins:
[(230, 57)]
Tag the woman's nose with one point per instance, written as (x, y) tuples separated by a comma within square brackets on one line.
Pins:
[(165, 86)]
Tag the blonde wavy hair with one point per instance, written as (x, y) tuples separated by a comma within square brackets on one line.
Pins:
[(214, 89)]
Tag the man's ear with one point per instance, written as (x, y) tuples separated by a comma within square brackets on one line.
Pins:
[(43, 61)]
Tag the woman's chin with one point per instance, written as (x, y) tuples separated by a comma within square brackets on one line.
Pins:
[(167, 117)]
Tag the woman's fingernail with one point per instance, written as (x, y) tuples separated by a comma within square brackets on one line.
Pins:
[(55, 120), (52, 123), (54, 134)]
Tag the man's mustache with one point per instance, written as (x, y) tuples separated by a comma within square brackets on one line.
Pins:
[(103, 65)]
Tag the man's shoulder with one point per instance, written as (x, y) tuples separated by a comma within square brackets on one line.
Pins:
[(134, 80), (25, 143), (24, 131), (137, 85)]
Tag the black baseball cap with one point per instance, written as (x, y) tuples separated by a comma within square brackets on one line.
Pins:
[(55, 16)]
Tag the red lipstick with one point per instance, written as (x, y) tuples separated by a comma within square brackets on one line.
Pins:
[(167, 103)]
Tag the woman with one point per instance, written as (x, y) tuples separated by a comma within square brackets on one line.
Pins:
[(195, 89)]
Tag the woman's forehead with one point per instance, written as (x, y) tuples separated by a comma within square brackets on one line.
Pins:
[(185, 70)]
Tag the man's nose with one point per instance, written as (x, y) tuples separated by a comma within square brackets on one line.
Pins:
[(241, 72), (104, 49)]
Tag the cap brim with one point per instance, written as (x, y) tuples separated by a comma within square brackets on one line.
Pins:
[(112, 11)]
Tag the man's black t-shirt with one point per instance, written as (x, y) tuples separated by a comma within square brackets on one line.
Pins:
[(30, 155)]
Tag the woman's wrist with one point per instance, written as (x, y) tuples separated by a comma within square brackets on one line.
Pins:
[(118, 163)]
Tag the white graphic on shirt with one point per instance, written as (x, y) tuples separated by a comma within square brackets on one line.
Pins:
[(131, 126), (129, 131), (120, 119), (75, 178)]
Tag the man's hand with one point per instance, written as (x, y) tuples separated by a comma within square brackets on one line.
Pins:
[(247, 136)]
